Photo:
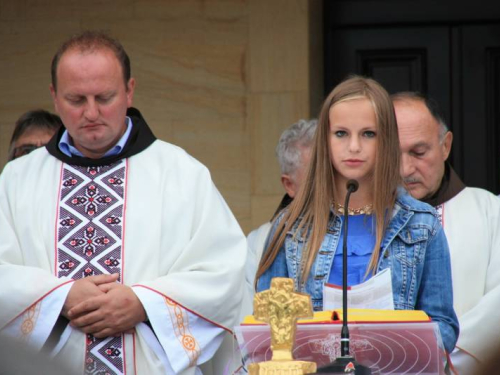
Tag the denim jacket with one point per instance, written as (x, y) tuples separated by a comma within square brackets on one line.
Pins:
[(414, 247)]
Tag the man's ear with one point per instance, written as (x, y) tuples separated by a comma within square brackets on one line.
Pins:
[(446, 145), (130, 91), (54, 96), (289, 185)]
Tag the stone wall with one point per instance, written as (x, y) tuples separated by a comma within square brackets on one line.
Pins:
[(220, 78)]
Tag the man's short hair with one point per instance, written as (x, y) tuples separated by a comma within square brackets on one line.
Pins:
[(431, 105), (37, 119), (90, 41), (292, 140)]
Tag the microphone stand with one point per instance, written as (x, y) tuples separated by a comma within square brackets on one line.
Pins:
[(345, 363)]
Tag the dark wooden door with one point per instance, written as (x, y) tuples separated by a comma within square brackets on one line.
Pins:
[(453, 60), (476, 95)]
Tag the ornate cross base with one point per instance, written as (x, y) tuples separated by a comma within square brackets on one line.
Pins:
[(282, 368)]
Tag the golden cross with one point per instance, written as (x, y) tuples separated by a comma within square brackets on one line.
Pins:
[(280, 306)]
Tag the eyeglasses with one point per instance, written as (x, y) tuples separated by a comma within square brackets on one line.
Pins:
[(24, 150)]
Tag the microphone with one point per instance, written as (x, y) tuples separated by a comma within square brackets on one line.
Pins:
[(346, 362), (352, 186)]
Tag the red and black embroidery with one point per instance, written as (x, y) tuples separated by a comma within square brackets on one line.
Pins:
[(89, 242)]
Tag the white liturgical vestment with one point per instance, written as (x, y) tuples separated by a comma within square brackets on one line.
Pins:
[(154, 217)]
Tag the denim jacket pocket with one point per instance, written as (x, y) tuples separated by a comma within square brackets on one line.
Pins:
[(409, 248)]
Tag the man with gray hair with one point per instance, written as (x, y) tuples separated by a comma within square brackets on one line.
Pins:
[(293, 152), (471, 221)]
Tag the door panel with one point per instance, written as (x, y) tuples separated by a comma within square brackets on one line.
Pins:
[(480, 110), (458, 65)]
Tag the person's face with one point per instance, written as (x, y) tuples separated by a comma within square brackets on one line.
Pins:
[(353, 140), (423, 154), (92, 100), (30, 140)]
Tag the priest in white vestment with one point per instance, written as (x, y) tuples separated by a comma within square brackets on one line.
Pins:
[(117, 254), (471, 221)]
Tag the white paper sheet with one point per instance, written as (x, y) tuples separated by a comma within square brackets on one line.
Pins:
[(375, 293)]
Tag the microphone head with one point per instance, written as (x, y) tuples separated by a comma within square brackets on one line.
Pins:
[(352, 185)]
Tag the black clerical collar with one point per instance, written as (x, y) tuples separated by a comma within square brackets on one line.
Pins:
[(450, 186), (140, 138)]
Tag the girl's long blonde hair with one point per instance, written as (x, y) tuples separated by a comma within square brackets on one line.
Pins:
[(311, 206)]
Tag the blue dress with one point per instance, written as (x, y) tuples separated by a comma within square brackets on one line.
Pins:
[(360, 244)]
